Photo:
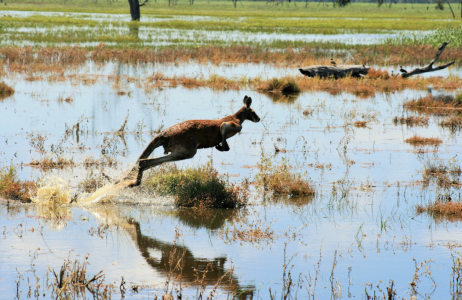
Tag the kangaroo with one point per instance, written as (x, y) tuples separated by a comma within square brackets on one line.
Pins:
[(183, 139)]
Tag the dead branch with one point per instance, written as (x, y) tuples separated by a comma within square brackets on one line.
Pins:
[(430, 68)]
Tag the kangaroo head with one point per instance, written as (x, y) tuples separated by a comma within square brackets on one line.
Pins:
[(249, 114)]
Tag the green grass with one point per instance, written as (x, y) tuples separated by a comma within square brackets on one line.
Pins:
[(244, 9), (200, 187), (248, 18), (435, 39), (258, 16)]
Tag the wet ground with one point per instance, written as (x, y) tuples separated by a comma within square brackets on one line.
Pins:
[(358, 233)]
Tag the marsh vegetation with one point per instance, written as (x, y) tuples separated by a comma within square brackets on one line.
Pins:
[(338, 174)]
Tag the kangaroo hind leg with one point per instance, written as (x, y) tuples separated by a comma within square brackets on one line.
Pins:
[(146, 164), (227, 130)]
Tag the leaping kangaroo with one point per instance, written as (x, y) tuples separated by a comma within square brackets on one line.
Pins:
[(183, 139)]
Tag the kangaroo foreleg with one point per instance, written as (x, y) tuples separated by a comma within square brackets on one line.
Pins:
[(227, 130)]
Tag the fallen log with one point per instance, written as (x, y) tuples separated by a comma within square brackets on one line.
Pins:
[(335, 71), (429, 68)]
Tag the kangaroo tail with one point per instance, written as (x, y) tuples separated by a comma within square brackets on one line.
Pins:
[(155, 143)]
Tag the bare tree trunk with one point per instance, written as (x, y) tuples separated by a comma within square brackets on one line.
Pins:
[(135, 9), (430, 68)]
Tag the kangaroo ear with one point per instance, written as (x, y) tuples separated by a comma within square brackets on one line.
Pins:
[(247, 101)]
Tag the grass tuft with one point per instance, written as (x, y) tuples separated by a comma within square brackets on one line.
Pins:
[(200, 187), (11, 187), (5, 90), (283, 85), (280, 180), (442, 208)]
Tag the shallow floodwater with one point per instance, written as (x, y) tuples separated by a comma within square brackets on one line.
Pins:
[(359, 232)]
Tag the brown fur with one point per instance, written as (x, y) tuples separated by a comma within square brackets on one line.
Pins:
[(183, 139)]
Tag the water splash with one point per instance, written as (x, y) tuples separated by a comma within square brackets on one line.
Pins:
[(53, 191)]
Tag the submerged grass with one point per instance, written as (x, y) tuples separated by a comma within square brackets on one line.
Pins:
[(417, 140), (50, 163), (411, 120), (446, 174), (199, 187), (454, 123)]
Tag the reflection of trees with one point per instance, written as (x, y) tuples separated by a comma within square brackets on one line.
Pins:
[(192, 268), (134, 29)]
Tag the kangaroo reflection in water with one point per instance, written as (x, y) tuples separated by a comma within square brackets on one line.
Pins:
[(191, 266)]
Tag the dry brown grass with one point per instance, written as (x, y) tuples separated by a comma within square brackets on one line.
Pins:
[(5, 90), (12, 188), (378, 74), (441, 101), (448, 208), (411, 121), (309, 55), (44, 55), (417, 140), (363, 87)]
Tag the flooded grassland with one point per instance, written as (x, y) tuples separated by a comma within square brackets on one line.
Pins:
[(377, 159), (360, 231)]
